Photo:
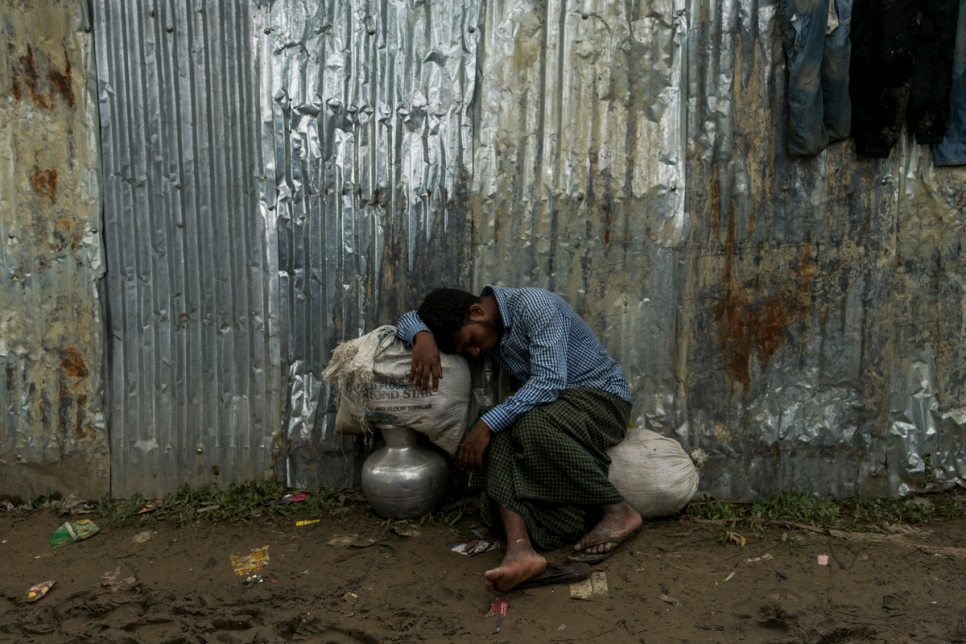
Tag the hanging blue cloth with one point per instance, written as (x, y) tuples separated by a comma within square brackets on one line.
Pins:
[(817, 50)]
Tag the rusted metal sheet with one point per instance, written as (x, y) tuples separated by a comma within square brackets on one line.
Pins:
[(811, 362), (191, 285), (927, 405), (53, 435), (367, 117)]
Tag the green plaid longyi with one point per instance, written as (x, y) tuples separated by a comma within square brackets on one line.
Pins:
[(551, 466)]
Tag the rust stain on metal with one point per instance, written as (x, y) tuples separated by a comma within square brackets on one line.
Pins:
[(61, 81), (750, 323), (66, 233), (26, 78), (73, 363), (25, 72), (44, 183)]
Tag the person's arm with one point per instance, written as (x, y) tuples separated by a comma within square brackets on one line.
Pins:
[(548, 334), (408, 326), (426, 369)]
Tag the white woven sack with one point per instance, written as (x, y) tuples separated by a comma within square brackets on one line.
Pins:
[(653, 473), (371, 375)]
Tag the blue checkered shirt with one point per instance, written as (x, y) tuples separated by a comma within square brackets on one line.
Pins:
[(545, 345)]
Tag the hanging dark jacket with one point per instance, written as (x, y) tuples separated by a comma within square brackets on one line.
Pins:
[(901, 71)]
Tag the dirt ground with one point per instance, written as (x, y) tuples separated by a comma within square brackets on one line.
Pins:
[(672, 582)]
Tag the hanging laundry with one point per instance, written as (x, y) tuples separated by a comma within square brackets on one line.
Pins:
[(952, 151), (817, 52), (901, 71)]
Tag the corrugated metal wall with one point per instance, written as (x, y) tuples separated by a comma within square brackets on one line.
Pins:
[(281, 175), (192, 296), (53, 435)]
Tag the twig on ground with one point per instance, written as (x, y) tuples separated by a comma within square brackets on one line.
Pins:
[(896, 539), (834, 556), (595, 635), (940, 550), (752, 520)]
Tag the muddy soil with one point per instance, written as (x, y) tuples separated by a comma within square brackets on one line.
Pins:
[(671, 582)]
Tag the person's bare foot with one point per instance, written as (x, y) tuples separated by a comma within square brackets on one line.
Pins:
[(619, 521), (514, 570)]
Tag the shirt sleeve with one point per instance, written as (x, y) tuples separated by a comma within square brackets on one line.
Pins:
[(547, 333), (408, 326)]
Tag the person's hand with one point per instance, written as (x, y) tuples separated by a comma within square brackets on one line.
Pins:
[(474, 446), (426, 369)]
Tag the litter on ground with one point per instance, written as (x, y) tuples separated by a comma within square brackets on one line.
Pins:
[(38, 591), (248, 564), (475, 547), (71, 532), (595, 586)]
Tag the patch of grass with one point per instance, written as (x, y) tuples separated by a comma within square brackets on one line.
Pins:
[(714, 510), (850, 514), (892, 510), (798, 508), (253, 501), (453, 513), (29, 506), (236, 503)]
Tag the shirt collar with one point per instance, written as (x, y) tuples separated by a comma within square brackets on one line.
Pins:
[(502, 303)]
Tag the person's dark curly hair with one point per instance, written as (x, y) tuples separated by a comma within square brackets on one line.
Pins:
[(445, 311)]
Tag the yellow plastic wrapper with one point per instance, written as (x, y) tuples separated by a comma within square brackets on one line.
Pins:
[(248, 564)]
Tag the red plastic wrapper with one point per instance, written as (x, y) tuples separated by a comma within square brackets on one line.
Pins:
[(499, 606)]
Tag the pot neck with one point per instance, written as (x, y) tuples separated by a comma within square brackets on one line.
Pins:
[(398, 437)]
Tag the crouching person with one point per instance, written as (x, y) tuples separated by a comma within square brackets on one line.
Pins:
[(543, 451)]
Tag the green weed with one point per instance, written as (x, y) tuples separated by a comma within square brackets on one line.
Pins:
[(256, 501), (893, 510), (714, 510), (797, 507), (850, 514), (236, 503)]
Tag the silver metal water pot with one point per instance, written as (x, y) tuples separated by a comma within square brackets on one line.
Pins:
[(403, 480)]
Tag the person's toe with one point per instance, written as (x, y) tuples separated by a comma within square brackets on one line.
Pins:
[(492, 577)]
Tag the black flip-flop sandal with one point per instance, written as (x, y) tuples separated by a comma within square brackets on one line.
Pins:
[(566, 573), (591, 558)]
